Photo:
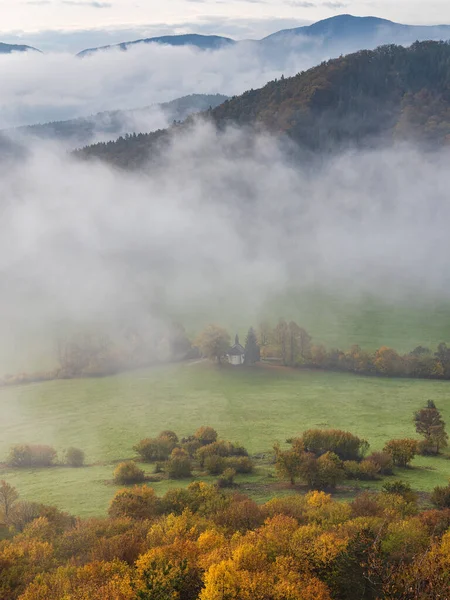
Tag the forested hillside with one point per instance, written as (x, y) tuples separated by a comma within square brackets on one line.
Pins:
[(391, 93), (111, 124)]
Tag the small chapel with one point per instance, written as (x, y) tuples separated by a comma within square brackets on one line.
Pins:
[(236, 354)]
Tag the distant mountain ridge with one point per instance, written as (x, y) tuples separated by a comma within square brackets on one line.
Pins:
[(356, 32), (331, 34), (204, 42), (10, 48), (345, 26)]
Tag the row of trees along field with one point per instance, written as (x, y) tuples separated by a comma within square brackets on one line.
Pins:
[(204, 543), (286, 343), (101, 354), (289, 344)]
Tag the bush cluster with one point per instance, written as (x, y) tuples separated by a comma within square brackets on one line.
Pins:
[(342, 443), (402, 451), (128, 472), (29, 456), (176, 457), (74, 457)]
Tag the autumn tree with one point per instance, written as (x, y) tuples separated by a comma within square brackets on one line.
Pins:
[(430, 424), (288, 463), (74, 457), (265, 334), (154, 449), (128, 472), (281, 337), (179, 465), (252, 350), (139, 502), (8, 498), (342, 443), (206, 435), (294, 343), (388, 362), (299, 344), (402, 451), (330, 470), (440, 496), (214, 342)]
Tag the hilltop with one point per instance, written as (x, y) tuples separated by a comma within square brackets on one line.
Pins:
[(335, 35), (391, 93), (360, 32), (10, 48), (341, 33), (203, 42)]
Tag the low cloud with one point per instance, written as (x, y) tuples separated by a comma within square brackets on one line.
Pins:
[(220, 226), (87, 4), (58, 86)]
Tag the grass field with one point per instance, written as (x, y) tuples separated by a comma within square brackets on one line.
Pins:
[(256, 407)]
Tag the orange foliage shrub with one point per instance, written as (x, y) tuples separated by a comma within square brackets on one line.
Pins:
[(136, 503)]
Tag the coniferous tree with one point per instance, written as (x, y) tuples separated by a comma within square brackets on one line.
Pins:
[(252, 350), (430, 424)]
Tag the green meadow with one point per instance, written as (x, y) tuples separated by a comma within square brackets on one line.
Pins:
[(256, 407)]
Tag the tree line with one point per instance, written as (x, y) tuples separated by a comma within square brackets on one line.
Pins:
[(286, 343), (289, 344), (204, 543)]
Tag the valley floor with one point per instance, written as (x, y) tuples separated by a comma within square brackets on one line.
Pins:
[(255, 407)]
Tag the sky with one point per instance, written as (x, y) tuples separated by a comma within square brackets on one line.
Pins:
[(72, 25)]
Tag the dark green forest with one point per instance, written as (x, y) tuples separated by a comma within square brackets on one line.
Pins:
[(387, 95)]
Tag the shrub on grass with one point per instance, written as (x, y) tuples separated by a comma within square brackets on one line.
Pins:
[(402, 451), (342, 443), (154, 449), (440, 497), (215, 465), (206, 435), (330, 470), (74, 457), (384, 461), (139, 502), (127, 473), (400, 488), (8, 498), (179, 465), (191, 445), (26, 456), (226, 480), (366, 505), (220, 448), (241, 464), (169, 435), (362, 471)]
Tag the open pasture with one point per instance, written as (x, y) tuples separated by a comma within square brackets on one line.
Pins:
[(256, 407)]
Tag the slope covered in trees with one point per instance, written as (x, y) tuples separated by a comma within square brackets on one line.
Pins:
[(112, 124), (391, 91), (201, 543), (389, 94)]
